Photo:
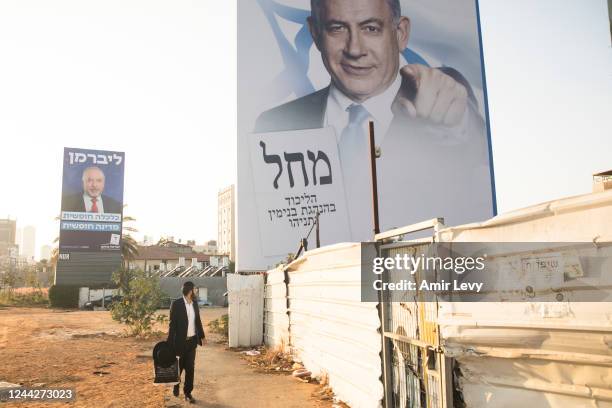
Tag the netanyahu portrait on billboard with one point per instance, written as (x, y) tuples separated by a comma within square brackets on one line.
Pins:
[(316, 78)]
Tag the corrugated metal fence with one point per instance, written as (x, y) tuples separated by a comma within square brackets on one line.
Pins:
[(416, 372), (503, 354), (491, 354), (327, 326), (276, 319), (556, 354)]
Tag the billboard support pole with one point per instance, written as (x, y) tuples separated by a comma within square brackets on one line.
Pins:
[(318, 238), (374, 180)]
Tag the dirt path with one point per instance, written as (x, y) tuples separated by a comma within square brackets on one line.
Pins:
[(224, 380), (85, 350)]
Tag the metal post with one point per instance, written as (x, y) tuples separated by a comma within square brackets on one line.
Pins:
[(318, 238), (386, 358), (374, 180)]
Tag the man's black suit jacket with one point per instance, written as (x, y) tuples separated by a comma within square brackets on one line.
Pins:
[(177, 335), (76, 203)]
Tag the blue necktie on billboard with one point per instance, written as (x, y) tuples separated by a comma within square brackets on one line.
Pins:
[(354, 150), (296, 54)]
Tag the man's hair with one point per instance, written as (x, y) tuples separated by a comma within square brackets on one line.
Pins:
[(187, 287), (90, 168), (315, 10)]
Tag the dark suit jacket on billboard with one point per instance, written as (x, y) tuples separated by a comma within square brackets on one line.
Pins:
[(76, 203), (423, 172), (308, 112), (177, 334)]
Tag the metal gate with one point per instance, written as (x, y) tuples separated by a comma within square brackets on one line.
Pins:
[(415, 372)]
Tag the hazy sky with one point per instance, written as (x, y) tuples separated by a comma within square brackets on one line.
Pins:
[(157, 79)]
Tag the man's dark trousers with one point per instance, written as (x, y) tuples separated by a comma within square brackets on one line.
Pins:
[(187, 363)]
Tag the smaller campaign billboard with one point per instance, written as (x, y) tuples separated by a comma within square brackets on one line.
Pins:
[(92, 200)]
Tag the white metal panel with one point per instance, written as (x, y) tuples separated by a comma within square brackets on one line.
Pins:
[(276, 320), (332, 332), (245, 310), (550, 354), (203, 294), (83, 296)]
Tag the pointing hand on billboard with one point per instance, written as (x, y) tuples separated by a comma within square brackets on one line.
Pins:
[(430, 94)]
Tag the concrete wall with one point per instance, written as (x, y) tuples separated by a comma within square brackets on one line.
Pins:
[(217, 286)]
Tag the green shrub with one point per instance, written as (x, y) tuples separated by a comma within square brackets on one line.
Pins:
[(220, 325), (138, 306), (64, 296), (33, 298)]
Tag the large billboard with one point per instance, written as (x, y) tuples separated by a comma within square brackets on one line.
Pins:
[(91, 216), (310, 82), (610, 16)]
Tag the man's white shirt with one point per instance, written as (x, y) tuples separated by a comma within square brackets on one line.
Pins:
[(191, 331), (379, 108), (89, 203)]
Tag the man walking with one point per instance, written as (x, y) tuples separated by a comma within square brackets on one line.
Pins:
[(184, 335)]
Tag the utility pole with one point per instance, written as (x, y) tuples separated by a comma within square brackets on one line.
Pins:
[(374, 180), (318, 237)]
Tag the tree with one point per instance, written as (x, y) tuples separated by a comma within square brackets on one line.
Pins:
[(30, 277), (9, 278), (129, 250), (163, 241), (129, 246), (55, 251), (142, 296)]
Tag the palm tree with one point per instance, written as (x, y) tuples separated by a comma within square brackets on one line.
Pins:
[(55, 251), (54, 254), (129, 249), (129, 246)]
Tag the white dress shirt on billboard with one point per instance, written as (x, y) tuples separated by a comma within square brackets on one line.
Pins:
[(89, 203)]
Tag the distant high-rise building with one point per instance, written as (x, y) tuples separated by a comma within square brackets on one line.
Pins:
[(226, 228), (45, 252), (7, 231), (209, 248), (28, 243), (9, 250), (19, 236)]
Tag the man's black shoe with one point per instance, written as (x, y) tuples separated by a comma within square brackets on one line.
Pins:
[(175, 390), (190, 399)]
